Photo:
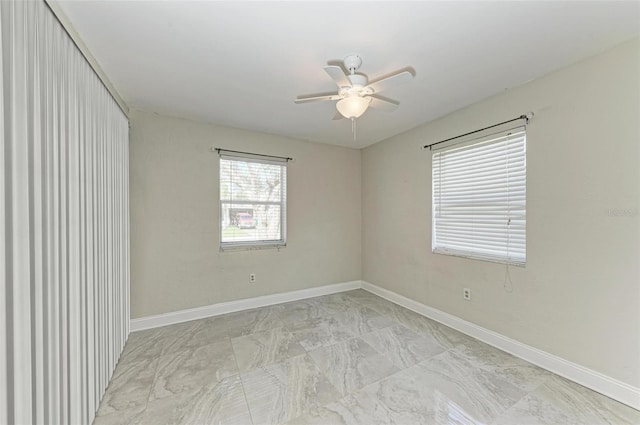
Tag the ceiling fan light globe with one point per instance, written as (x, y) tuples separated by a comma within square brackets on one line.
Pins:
[(353, 107)]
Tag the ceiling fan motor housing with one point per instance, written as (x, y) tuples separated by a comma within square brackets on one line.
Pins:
[(357, 80)]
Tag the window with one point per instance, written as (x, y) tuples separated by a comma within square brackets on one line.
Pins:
[(479, 198), (252, 200)]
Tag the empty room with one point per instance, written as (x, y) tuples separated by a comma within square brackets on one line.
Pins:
[(329, 212)]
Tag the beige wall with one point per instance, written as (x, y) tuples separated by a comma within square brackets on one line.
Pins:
[(175, 260), (579, 295)]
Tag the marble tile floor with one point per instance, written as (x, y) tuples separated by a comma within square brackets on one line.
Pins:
[(347, 358)]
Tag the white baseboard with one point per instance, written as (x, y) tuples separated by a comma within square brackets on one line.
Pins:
[(180, 316), (596, 381)]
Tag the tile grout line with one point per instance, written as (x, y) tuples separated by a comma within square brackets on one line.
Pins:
[(382, 311), (322, 372), (153, 381), (244, 393), (132, 363), (325, 310), (395, 323), (352, 338)]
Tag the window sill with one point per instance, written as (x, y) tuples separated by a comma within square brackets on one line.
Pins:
[(252, 247)]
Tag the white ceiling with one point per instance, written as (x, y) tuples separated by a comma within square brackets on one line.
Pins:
[(242, 64)]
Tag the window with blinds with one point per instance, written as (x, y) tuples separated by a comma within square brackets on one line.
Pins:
[(252, 200), (479, 198)]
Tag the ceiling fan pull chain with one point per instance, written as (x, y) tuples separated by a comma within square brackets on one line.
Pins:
[(353, 128)]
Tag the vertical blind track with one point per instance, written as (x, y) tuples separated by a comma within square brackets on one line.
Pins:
[(55, 11), (525, 117)]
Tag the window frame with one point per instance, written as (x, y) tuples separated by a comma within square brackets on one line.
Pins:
[(489, 140), (282, 203)]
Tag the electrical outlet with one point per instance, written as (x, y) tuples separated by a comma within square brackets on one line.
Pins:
[(252, 278), (466, 294)]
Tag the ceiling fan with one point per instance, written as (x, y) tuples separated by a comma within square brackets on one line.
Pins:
[(355, 93)]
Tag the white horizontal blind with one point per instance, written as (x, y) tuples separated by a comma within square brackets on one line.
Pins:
[(479, 199), (253, 193), (64, 253)]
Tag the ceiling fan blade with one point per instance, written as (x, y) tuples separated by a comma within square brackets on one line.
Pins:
[(337, 116), (391, 81), (337, 74), (383, 103), (302, 99)]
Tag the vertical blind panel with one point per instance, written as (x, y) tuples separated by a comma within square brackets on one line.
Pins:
[(479, 199), (64, 226), (4, 244), (252, 202)]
